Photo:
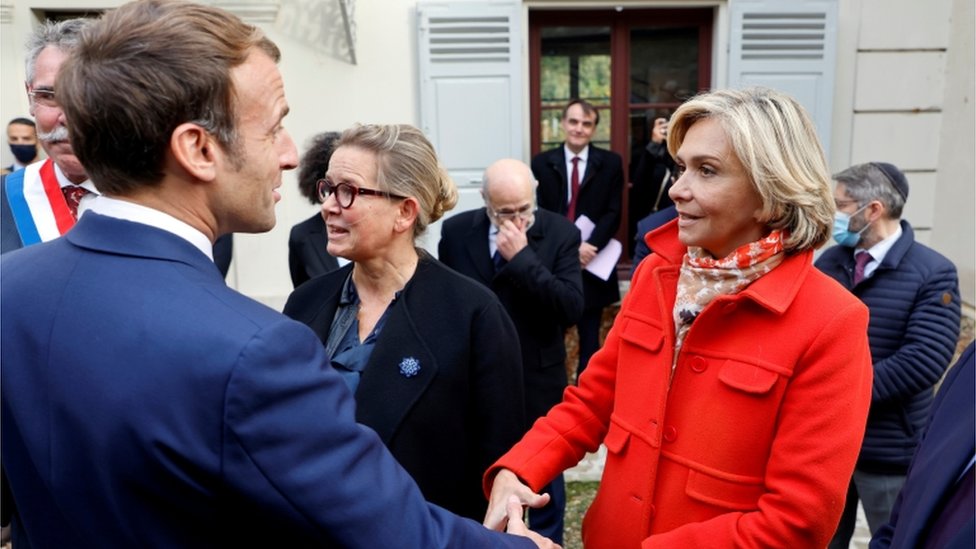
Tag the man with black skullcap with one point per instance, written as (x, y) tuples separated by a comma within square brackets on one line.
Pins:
[(912, 292)]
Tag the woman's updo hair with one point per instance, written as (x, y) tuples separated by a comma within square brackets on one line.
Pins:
[(407, 166)]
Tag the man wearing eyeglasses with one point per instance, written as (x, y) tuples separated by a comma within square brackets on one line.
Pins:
[(41, 202), (529, 258), (145, 403), (912, 292)]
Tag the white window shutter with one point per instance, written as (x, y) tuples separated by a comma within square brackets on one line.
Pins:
[(789, 45), (470, 56)]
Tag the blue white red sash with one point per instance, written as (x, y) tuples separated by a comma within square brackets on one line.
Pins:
[(39, 209)]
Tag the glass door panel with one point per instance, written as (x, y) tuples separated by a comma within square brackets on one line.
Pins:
[(664, 69), (574, 62)]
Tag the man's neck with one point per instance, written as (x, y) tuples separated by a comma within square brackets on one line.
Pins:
[(74, 177), (882, 229), (576, 151)]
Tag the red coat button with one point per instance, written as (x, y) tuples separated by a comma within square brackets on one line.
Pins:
[(670, 433), (699, 364)]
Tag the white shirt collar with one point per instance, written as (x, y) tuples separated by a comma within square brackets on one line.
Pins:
[(64, 182), (137, 213), (583, 154)]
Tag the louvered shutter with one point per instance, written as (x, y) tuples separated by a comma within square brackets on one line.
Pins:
[(789, 45), (470, 89)]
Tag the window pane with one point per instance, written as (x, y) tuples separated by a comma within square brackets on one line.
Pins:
[(663, 64), (575, 62)]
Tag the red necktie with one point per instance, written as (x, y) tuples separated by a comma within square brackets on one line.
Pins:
[(861, 259), (73, 195), (574, 190)]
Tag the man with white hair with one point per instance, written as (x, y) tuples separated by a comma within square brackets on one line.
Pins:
[(40, 202), (529, 258)]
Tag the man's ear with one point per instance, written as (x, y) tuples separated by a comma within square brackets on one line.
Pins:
[(875, 210), (406, 214), (195, 151)]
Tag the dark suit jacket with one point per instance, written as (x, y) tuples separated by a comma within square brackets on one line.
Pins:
[(464, 408), (946, 448), (146, 404), (307, 256), (541, 288), (599, 199)]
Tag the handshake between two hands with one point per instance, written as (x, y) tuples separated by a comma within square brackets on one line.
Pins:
[(508, 495)]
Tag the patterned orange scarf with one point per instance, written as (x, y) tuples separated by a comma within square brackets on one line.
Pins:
[(704, 278)]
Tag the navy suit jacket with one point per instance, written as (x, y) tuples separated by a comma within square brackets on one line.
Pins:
[(144, 403), (307, 255), (10, 239), (946, 448), (541, 288), (599, 199), (464, 408)]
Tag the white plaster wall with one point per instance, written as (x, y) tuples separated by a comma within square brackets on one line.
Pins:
[(954, 228)]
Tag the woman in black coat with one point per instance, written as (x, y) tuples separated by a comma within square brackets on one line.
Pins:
[(431, 356)]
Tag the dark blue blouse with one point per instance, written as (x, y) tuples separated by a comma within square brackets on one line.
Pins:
[(349, 356)]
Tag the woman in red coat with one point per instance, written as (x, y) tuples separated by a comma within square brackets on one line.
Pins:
[(733, 388)]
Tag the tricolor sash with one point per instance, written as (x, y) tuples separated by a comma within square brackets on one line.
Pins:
[(39, 209)]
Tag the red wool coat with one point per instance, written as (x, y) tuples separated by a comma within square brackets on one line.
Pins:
[(754, 443)]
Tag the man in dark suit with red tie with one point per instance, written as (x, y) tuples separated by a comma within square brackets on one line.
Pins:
[(579, 179)]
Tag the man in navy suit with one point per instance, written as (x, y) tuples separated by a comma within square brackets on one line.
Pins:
[(144, 403), (578, 179), (935, 507), (529, 259)]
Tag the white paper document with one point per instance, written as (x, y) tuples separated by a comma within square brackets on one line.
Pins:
[(606, 259)]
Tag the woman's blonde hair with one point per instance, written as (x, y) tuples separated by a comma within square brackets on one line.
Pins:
[(406, 165), (774, 138)]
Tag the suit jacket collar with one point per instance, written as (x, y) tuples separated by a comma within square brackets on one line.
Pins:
[(476, 242), (594, 162), (317, 241), (117, 236), (898, 250)]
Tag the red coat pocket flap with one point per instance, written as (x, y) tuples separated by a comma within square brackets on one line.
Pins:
[(642, 334), (616, 438), (748, 378)]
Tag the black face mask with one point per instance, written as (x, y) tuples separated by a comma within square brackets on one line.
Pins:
[(24, 153)]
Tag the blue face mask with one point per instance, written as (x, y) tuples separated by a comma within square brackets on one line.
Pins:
[(842, 225)]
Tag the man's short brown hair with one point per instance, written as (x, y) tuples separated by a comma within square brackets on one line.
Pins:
[(142, 70)]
